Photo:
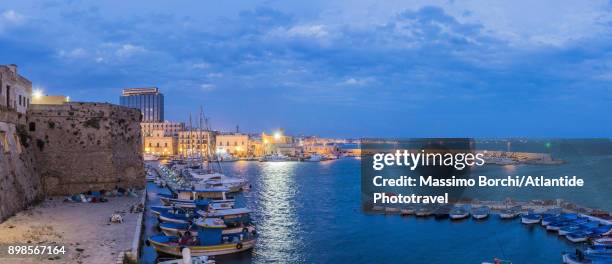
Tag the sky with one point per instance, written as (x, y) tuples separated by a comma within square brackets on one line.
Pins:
[(332, 68)]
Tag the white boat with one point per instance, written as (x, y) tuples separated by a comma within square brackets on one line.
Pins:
[(510, 213), (149, 157), (188, 259), (274, 158), (216, 180), (482, 212), (314, 158), (459, 213), (531, 218)]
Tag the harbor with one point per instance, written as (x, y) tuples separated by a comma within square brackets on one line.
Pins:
[(300, 209)]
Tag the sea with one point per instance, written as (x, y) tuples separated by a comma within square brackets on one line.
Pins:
[(310, 212)]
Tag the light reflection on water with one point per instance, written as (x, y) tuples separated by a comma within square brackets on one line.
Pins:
[(277, 220)]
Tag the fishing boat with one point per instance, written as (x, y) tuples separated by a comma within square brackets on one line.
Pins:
[(546, 220), (575, 228), (531, 218), (604, 241), (150, 177), (480, 213), (423, 212), (577, 258), (584, 235), (188, 197), (555, 226), (392, 210), (170, 217), (597, 250), (187, 259), (210, 241), (459, 212), (510, 213), (442, 212), (236, 220), (407, 211), (158, 209)]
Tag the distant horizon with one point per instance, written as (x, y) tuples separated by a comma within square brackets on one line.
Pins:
[(341, 69)]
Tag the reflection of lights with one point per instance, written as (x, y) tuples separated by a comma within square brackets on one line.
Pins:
[(509, 168)]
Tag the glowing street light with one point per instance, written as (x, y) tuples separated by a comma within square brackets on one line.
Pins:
[(277, 135), (37, 94)]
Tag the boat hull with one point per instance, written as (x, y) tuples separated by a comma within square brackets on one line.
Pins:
[(215, 250)]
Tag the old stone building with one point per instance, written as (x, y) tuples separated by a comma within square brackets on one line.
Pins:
[(86, 146), (15, 90)]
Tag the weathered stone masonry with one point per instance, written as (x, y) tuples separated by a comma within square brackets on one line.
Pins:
[(20, 183), (86, 146)]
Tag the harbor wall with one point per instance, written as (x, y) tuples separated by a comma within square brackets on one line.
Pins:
[(20, 183), (83, 147)]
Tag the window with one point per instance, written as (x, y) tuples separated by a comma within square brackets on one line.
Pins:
[(32, 126), (158, 144), (150, 144), (19, 100), (166, 144)]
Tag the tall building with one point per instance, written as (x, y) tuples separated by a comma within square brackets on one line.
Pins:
[(15, 90), (149, 100)]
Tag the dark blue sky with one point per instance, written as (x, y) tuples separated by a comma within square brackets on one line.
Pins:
[(332, 68)]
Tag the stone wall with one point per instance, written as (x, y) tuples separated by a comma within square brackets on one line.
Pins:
[(20, 184), (86, 146)]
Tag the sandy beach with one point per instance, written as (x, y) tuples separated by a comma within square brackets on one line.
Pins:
[(83, 228)]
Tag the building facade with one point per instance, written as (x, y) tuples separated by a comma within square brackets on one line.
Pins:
[(15, 90), (235, 144), (148, 100), (160, 143), (169, 128), (192, 143)]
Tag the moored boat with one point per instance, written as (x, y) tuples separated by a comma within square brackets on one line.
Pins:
[(459, 212), (480, 213), (531, 218), (574, 228), (510, 213), (210, 241)]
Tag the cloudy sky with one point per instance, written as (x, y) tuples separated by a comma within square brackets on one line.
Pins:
[(332, 68)]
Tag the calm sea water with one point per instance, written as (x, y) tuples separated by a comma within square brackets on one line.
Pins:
[(310, 213)]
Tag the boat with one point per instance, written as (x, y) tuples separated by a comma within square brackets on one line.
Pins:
[(176, 229), (407, 211), (555, 226), (574, 228), (498, 261), (584, 235), (604, 241), (442, 212), (211, 179), (274, 158), (531, 218), (188, 259), (227, 158), (510, 213), (314, 158), (149, 157), (480, 213), (188, 197), (581, 257), (179, 218), (423, 212), (391, 210), (459, 212), (597, 250), (150, 177), (546, 220), (158, 209), (210, 241)]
